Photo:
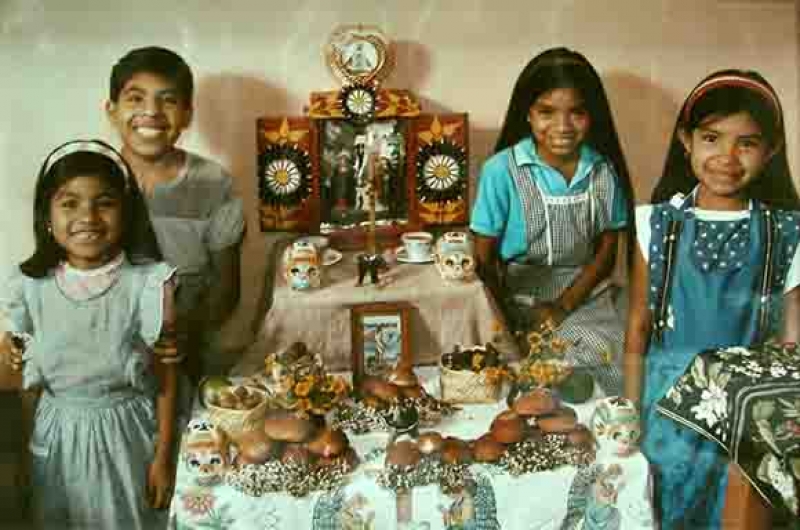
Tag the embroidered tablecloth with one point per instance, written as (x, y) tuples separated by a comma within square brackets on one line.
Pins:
[(614, 493), (748, 401)]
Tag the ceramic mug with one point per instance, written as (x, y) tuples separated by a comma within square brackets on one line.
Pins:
[(417, 245)]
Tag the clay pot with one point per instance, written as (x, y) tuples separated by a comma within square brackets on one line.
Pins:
[(403, 453), (508, 427), (328, 443), (254, 447), (288, 428), (429, 443), (536, 403), (486, 449)]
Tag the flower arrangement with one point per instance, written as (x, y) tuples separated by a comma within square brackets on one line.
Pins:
[(545, 365), (301, 383), (312, 394)]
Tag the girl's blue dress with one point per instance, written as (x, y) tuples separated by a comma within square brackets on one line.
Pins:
[(708, 293), (95, 425)]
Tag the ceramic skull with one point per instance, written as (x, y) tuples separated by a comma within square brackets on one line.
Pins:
[(302, 266), (206, 452), (454, 257), (616, 426)]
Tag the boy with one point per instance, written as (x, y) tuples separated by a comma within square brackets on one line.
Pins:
[(198, 221)]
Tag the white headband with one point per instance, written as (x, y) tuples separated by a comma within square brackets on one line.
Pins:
[(93, 146)]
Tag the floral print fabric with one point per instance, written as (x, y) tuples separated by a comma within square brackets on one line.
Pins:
[(748, 401)]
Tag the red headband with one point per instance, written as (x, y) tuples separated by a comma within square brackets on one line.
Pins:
[(737, 81)]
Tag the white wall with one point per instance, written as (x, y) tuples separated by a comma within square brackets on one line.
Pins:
[(258, 57)]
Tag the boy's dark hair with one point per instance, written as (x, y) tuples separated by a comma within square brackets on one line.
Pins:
[(138, 238), (725, 97), (563, 68), (154, 60)]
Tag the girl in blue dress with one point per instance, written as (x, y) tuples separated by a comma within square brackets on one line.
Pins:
[(94, 303), (551, 205), (716, 265)]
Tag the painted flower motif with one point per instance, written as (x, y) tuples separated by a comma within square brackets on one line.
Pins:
[(282, 176), (198, 501), (441, 172)]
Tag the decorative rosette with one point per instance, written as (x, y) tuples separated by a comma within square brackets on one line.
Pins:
[(285, 173), (358, 103), (441, 171)]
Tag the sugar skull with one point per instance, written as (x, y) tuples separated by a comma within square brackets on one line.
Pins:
[(302, 266), (616, 426), (206, 451), (454, 257)]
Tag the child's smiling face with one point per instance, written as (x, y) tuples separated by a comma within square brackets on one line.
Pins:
[(727, 154), (149, 115), (559, 123), (86, 221)]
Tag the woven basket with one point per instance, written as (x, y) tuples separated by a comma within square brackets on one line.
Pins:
[(466, 386), (234, 421)]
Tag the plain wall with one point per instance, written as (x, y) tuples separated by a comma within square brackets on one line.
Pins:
[(261, 57)]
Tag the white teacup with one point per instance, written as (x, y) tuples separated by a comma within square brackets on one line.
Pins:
[(417, 245)]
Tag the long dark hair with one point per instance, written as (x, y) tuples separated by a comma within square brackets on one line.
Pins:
[(722, 94), (563, 68), (88, 159)]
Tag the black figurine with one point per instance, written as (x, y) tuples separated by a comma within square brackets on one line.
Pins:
[(372, 263)]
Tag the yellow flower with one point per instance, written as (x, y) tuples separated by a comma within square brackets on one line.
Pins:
[(496, 326), (269, 362), (340, 386), (535, 339), (548, 326), (287, 384), (607, 357), (477, 362), (558, 345), (303, 388)]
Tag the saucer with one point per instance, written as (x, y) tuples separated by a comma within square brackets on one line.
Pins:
[(402, 258), (331, 257)]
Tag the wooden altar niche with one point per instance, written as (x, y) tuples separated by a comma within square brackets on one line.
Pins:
[(306, 170)]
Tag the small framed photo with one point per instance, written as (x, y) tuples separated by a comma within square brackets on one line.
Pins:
[(381, 338)]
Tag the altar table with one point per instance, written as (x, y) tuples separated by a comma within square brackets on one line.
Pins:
[(615, 491), (443, 314)]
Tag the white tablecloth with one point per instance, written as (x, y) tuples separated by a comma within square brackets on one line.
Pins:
[(533, 501)]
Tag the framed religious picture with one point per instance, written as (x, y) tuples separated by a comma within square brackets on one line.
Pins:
[(381, 338), (345, 176)]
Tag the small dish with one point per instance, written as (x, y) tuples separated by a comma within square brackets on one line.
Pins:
[(403, 258), (331, 257)]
